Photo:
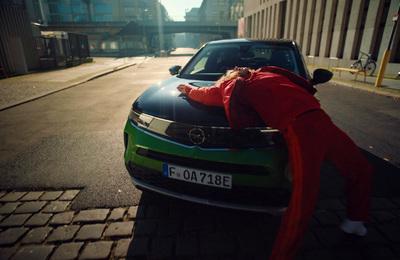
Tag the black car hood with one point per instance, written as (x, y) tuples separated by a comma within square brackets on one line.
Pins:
[(163, 100)]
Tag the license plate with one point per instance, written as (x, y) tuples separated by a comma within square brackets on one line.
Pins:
[(197, 176)]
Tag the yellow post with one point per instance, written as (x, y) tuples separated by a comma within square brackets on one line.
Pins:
[(382, 68), (386, 55)]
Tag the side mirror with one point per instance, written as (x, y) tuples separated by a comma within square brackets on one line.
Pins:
[(174, 70), (321, 76)]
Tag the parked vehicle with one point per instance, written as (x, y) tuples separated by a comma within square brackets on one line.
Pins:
[(181, 148)]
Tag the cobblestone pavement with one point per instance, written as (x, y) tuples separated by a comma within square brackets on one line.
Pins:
[(40, 225)]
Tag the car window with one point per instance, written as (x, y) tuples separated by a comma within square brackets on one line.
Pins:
[(201, 64), (214, 60)]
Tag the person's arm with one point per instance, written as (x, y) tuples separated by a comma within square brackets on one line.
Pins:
[(210, 96)]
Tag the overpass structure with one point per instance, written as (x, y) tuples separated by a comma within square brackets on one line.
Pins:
[(226, 29), (132, 38)]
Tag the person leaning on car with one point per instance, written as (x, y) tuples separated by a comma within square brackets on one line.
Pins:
[(285, 101)]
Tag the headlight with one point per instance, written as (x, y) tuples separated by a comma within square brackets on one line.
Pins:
[(156, 125), (141, 120)]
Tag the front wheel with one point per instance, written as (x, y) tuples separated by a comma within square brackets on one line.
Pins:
[(370, 68), (357, 65)]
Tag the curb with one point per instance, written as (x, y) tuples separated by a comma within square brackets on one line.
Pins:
[(366, 87)]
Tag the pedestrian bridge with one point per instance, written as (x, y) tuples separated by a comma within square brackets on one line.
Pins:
[(227, 29)]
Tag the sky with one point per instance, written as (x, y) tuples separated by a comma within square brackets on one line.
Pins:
[(176, 8)]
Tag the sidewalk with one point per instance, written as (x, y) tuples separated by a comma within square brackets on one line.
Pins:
[(22, 89), (390, 87)]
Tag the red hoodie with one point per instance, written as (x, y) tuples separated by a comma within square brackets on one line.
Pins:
[(274, 94)]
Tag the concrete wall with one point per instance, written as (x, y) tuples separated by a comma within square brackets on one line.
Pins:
[(18, 53), (329, 32)]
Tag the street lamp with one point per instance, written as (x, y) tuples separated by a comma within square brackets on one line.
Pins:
[(144, 15)]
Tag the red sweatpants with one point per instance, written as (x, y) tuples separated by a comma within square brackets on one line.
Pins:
[(311, 138)]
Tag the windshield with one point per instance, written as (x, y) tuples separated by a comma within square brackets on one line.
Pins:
[(214, 60)]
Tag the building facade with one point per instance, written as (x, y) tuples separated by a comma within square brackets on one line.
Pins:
[(192, 15), (53, 11), (18, 51), (102, 20), (330, 33), (221, 10)]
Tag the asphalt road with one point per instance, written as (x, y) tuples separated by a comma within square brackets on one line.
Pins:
[(73, 138), (371, 121)]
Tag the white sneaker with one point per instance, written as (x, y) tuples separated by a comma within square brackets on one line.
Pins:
[(354, 227)]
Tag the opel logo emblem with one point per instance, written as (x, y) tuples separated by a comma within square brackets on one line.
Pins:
[(197, 136)]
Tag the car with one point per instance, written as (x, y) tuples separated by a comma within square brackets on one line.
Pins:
[(180, 148)]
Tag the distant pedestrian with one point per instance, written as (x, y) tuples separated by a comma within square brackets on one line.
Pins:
[(285, 101)]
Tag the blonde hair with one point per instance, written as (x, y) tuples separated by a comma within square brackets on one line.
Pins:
[(231, 74)]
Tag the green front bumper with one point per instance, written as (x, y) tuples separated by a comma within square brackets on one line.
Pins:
[(269, 162)]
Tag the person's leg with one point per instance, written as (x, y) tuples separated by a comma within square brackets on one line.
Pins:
[(357, 171), (305, 165)]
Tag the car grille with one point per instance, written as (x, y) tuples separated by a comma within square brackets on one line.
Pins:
[(222, 137), (252, 196), (203, 164)]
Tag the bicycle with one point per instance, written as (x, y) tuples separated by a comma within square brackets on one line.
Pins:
[(369, 65)]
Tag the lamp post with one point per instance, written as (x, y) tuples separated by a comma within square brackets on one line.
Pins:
[(144, 16)]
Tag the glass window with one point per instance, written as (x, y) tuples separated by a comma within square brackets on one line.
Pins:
[(215, 15), (55, 1), (113, 45), (79, 9), (129, 9), (80, 18), (60, 8), (213, 61), (103, 9), (58, 18), (103, 18)]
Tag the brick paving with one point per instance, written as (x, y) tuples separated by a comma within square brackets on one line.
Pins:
[(41, 225)]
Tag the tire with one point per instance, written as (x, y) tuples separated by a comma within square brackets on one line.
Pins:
[(370, 68), (357, 65)]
